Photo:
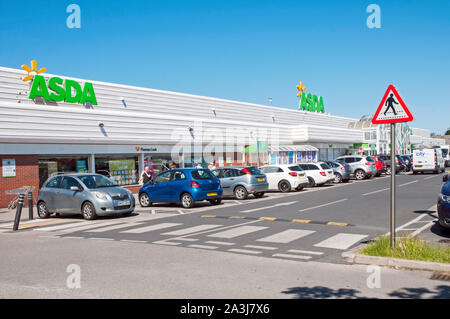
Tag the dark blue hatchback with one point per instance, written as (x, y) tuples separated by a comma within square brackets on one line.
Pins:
[(183, 186), (443, 205)]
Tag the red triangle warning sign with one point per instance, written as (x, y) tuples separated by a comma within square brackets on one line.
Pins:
[(392, 109)]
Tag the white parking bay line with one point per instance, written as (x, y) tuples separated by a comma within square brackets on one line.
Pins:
[(408, 183), (220, 243), (287, 236), (295, 251), (59, 227), (267, 207), (374, 192), (244, 251), (341, 241), (261, 247), (239, 231), (114, 227), (292, 256), (203, 246), (190, 230), (428, 177), (323, 205), (149, 228)]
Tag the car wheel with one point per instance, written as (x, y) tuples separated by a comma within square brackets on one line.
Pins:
[(360, 174), (88, 211), (215, 201), (127, 214), (312, 182), (258, 195), (300, 188), (144, 200), (187, 201), (240, 193), (42, 210), (284, 187), (444, 230), (337, 178), (388, 171)]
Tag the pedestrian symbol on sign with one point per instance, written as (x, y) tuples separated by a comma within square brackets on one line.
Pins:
[(389, 101)]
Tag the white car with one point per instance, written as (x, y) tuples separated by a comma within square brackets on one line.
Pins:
[(284, 178), (428, 160), (317, 173)]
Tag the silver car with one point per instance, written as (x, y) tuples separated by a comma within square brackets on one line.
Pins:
[(341, 171), (362, 166), (240, 181), (91, 195)]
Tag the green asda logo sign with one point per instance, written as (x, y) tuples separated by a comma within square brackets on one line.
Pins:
[(310, 102), (62, 90)]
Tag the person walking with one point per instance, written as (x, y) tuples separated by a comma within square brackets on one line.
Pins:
[(389, 102), (146, 175)]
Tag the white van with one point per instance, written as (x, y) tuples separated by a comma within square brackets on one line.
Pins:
[(446, 154), (428, 160)]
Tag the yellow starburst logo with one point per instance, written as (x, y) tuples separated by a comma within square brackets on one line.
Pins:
[(300, 89), (32, 71)]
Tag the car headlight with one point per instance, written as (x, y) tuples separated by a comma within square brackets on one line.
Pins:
[(444, 198), (101, 195)]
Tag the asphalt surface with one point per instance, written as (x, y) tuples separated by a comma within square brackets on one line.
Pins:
[(297, 231)]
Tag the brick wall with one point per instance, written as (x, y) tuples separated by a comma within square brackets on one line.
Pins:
[(27, 174)]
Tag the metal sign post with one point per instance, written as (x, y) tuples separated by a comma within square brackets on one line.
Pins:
[(393, 175), (392, 109)]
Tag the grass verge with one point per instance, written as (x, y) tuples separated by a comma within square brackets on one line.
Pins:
[(408, 247)]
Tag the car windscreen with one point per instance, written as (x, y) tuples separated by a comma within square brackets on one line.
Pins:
[(203, 174), (325, 166), (444, 152), (370, 159), (96, 181), (252, 171), (296, 168)]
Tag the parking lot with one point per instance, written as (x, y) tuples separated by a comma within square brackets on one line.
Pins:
[(314, 224)]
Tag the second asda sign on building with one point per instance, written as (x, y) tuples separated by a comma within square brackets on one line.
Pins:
[(61, 90)]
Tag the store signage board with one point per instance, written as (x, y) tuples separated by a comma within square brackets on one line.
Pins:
[(8, 167), (308, 101), (392, 109)]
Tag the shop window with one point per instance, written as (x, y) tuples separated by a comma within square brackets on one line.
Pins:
[(120, 169), (69, 164)]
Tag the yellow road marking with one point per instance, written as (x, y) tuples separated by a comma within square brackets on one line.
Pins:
[(208, 216), (43, 223), (337, 224), (303, 221), (267, 218)]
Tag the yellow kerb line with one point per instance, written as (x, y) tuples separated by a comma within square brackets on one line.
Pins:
[(337, 224), (208, 216), (267, 218), (303, 221), (40, 224)]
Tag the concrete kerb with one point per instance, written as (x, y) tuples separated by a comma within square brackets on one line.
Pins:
[(352, 257)]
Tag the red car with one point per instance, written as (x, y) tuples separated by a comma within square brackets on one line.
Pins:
[(379, 164)]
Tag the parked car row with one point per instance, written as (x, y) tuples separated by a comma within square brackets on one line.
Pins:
[(95, 195)]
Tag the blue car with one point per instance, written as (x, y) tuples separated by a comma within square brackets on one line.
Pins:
[(183, 186), (443, 205)]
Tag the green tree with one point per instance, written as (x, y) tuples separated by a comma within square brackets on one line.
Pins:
[(448, 131)]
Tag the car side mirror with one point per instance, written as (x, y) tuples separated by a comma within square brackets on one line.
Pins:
[(74, 188), (445, 178)]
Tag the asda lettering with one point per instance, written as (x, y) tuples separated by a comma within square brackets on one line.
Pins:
[(310, 102), (62, 90)]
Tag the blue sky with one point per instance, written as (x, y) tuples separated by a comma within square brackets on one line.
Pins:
[(247, 50)]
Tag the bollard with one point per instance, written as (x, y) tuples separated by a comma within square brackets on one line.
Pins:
[(30, 205), (18, 211)]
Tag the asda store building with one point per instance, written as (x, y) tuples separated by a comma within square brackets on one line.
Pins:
[(51, 124)]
